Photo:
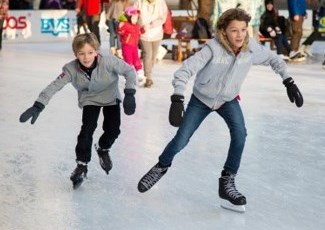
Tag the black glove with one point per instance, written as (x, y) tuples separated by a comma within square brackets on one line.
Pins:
[(176, 110), (32, 112), (129, 101), (293, 92)]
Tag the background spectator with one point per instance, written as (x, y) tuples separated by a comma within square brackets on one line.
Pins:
[(153, 15), (297, 13), (92, 12), (272, 27), (4, 6), (115, 10)]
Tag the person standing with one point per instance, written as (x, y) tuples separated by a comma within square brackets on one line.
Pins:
[(115, 10), (92, 11), (4, 7), (297, 14), (153, 14), (273, 26), (129, 31), (220, 69), (95, 77)]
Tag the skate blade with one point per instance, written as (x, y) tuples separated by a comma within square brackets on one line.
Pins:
[(236, 208), (76, 184)]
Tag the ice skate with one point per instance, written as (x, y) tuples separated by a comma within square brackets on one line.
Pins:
[(78, 175), (230, 198), (141, 78), (104, 158), (151, 177)]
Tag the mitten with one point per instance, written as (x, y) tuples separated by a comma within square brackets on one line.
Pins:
[(176, 110), (32, 112), (271, 32), (129, 101), (293, 92)]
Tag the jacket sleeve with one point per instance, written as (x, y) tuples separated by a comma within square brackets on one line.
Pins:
[(264, 56), (189, 68), (123, 69), (55, 86)]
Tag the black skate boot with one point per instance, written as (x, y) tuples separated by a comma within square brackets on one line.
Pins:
[(78, 175), (104, 158), (232, 199), (151, 178)]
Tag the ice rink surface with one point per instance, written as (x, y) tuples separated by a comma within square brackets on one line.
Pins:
[(282, 173)]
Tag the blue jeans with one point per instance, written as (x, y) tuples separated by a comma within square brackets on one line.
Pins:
[(281, 42), (195, 113), (114, 37)]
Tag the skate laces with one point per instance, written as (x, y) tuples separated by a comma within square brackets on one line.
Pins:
[(153, 176), (231, 188)]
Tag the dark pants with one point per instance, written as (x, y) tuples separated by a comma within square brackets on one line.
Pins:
[(111, 127), (1, 29), (92, 23)]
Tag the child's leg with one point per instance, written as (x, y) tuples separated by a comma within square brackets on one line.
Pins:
[(111, 126), (136, 59), (85, 138), (127, 54)]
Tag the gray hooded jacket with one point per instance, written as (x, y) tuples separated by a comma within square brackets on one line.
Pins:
[(101, 89), (220, 73)]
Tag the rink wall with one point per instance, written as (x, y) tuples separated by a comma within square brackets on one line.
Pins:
[(39, 25), (60, 25)]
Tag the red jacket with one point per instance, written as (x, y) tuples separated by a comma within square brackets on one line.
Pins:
[(130, 33), (92, 7)]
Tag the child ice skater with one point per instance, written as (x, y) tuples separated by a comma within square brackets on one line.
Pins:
[(96, 78), (130, 31), (220, 69)]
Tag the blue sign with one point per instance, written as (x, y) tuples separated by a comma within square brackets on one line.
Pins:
[(55, 26)]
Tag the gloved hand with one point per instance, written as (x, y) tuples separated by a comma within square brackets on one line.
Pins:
[(129, 101), (271, 32), (176, 110), (32, 112), (293, 92)]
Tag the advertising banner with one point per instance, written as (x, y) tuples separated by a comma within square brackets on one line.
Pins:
[(39, 25)]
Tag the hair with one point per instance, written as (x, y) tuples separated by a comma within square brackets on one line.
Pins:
[(80, 40), (230, 15)]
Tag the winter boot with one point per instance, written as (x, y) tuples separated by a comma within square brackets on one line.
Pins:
[(232, 199), (78, 175), (148, 83), (152, 177), (104, 158)]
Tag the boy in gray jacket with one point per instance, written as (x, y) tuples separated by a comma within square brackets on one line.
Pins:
[(95, 77), (220, 68)]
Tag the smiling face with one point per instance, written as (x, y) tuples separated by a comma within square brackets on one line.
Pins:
[(86, 55), (236, 33)]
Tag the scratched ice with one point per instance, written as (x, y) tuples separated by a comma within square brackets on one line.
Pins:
[(282, 172)]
